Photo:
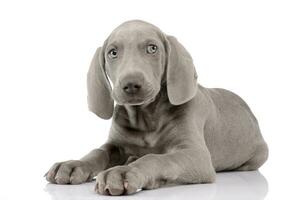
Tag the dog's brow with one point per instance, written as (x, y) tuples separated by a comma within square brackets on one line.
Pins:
[(151, 41), (113, 44)]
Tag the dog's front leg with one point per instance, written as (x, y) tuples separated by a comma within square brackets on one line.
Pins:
[(153, 170), (85, 169)]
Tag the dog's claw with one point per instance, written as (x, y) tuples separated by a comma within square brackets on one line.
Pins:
[(96, 188), (126, 185)]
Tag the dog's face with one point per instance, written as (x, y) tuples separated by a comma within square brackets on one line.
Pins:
[(135, 62), (137, 57)]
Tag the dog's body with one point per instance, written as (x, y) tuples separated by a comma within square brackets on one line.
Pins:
[(218, 113), (166, 128)]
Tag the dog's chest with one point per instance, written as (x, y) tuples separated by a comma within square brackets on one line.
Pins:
[(141, 142), (143, 139), (143, 130), (150, 140), (140, 145)]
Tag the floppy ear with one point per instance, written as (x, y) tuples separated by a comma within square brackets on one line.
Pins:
[(181, 73), (99, 89)]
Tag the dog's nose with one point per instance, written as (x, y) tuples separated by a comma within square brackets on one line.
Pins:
[(132, 88)]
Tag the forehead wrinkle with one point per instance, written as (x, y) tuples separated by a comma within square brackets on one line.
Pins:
[(135, 30), (134, 35)]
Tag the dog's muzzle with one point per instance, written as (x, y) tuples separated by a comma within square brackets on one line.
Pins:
[(132, 84), (134, 89)]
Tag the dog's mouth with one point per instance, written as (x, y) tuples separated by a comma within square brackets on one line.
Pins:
[(136, 99)]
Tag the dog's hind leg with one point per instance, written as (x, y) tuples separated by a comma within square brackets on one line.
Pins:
[(258, 159)]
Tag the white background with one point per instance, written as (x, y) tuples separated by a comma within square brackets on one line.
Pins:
[(249, 47)]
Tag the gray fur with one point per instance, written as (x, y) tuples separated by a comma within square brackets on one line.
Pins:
[(173, 132)]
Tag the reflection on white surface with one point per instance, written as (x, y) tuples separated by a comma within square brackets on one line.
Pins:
[(230, 185)]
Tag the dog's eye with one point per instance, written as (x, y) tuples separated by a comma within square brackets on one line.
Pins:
[(151, 48), (113, 53)]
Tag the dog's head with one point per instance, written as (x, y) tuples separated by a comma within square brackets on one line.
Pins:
[(137, 57)]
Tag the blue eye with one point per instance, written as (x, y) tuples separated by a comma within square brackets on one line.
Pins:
[(151, 48), (113, 54)]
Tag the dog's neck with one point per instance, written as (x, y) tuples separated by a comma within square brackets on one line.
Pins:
[(143, 117)]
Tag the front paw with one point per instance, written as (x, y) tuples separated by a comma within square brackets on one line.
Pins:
[(69, 172), (119, 180)]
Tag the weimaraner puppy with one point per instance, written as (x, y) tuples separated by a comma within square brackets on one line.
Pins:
[(166, 128)]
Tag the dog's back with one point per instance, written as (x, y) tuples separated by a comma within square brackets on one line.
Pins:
[(232, 133)]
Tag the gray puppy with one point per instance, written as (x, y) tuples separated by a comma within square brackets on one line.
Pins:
[(166, 128)]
